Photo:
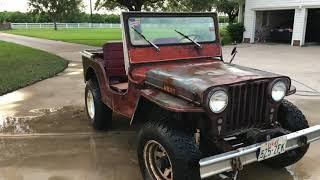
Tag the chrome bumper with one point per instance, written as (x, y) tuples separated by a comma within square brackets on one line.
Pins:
[(223, 162)]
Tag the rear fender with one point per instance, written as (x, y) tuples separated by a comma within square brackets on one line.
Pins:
[(94, 69)]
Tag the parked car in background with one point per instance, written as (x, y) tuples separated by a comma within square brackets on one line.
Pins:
[(282, 33)]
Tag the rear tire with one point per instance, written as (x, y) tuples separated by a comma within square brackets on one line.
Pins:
[(181, 154), (292, 119), (99, 114)]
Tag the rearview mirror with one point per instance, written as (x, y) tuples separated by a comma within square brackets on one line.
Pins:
[(234, 51), (233, 54)]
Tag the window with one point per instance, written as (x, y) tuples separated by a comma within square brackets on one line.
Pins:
[(162, 30)]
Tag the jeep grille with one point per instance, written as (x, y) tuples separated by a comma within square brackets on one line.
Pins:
[(248, 105)]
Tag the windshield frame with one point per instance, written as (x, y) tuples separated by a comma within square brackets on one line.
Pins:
[(128, 15)]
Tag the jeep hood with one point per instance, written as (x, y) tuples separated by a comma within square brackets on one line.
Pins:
[(191, 81)]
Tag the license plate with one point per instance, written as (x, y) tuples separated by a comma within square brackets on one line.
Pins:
[(272, 148)]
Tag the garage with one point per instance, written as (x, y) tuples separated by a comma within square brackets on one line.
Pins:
[(274, 26), (294, 22), (313, 27)]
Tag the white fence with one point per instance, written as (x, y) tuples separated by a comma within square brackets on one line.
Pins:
[(70, 25), (62, 25)]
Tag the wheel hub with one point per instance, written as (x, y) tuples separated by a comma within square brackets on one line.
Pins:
[(157, 161), (90, 104)]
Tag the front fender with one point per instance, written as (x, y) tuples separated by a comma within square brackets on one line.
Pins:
[(291, 91), (150, 97), (170, 102)]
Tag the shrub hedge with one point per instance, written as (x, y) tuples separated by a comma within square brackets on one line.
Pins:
[(236, 32)]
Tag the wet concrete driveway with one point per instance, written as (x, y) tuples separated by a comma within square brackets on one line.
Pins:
[(59, 144)]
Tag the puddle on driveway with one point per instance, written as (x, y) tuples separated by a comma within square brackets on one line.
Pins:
[(63, 119), (59, 144), (69, 119)]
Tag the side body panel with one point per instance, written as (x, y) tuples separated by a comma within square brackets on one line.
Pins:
[(125, 104), (172, 53)]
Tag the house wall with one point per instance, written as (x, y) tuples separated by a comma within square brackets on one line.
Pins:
[(301, 14)]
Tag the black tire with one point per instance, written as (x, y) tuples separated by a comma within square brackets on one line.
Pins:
[(181, 148), (292, 119), (102, 114)]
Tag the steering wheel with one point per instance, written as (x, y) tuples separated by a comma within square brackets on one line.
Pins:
[(195, 37)]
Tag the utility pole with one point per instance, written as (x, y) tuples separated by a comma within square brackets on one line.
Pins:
[(91, 20)]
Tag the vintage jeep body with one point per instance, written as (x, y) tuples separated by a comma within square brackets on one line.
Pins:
[(197, 115)]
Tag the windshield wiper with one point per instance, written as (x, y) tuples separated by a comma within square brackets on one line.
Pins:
[(187, 37), (151, 43)]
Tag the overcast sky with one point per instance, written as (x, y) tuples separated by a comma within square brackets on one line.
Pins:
[(22, 5)]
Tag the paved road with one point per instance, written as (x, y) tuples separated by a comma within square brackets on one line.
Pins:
[(59, 143)]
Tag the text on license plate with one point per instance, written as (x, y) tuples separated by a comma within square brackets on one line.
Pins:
[(272, 148)]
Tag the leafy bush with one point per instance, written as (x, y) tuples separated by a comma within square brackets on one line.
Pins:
[(15, 17), (223, 19), (225, 36), (236, 32)]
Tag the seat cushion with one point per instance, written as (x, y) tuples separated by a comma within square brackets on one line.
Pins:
[(114, 59), (121, 87)]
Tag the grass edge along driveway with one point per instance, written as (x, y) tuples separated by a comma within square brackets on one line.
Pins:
[(21, 66), (92, 37)]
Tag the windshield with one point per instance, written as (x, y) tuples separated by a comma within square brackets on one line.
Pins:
[(164, 30)]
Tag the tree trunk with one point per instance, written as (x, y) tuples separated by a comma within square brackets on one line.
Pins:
[(138, 8), (232, 18), (55, 26)]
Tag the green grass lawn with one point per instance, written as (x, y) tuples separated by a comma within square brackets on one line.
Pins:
[(21, 66), (94, 37)]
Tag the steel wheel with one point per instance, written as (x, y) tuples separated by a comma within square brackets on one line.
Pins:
[(157, 161), (90, 104)]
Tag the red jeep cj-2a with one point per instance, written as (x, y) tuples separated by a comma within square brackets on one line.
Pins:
[(197, 115)]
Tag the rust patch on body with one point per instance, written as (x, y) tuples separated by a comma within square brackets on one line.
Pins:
[(191, 80)]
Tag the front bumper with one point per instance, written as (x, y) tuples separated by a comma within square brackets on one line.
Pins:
[(225, 162)]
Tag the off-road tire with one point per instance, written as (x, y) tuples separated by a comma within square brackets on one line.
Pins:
[(103, 114), (292, 119), (182, 150)]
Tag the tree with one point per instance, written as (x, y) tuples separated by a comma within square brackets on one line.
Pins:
[(188, 5), (229, 7), (57, 10), (131, 5)]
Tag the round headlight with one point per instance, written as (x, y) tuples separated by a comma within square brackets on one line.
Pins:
[(279, 90), (218, 101)]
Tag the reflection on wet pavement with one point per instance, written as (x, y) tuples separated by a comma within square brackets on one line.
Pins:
[(59, 144), (108, 157)]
